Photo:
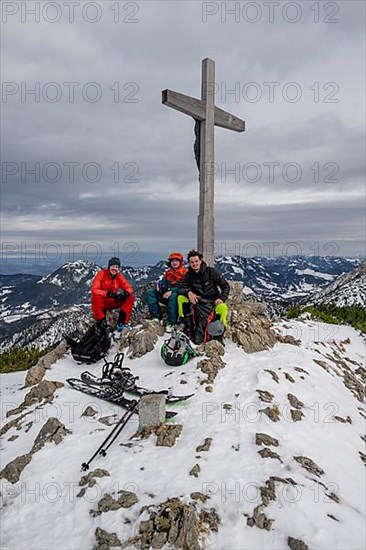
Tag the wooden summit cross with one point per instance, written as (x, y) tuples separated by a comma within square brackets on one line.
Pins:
[(207, 116)]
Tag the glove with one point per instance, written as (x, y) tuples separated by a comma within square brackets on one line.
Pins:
[(121, 295), (111, 294)]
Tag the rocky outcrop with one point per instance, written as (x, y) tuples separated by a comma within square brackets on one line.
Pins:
[(141, 339), (167, 434), (296, 544), (195, 471), (264, 439), (52, 432), (44, 391), (13, 469), (309, 465), (105, 540), (174, 524), (212, 363), (268, 495), (107, 503), (248, 324), (36, 373), (205, 445), (273, 413)]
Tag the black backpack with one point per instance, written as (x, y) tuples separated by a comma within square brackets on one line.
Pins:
[(92, 346)]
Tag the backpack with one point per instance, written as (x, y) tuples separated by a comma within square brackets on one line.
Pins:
[(92, 346), (177, 350)]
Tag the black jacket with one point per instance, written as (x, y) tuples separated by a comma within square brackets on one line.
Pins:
[(207, 283)]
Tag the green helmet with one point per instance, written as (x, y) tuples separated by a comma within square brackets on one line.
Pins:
[(177, 350)]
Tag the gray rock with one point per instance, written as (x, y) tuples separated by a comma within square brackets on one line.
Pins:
[(273, 413), (296, 415), (158, 540), (273, 374), (249, 326), (34, 375), (98, 472), (175, 524), (213, 348), (267, 453), (264, 439), (195, 471), (294, 401), (265, 396), (89, 411), (15, 423), (211, 367), (309, 465), (54, 355), (205, 445), (43, 391), (151, 410), (296, 544), (107, 503), (260, 519), (13, 469), (105, 540), (141, 339), (53, 431), (127, 499), (268, 492), (167, 434)]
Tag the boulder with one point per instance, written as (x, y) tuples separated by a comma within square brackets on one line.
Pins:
[(141, 339)]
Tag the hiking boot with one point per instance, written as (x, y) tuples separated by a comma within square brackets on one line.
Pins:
[(123, 326), (157, 320), (101, 326)]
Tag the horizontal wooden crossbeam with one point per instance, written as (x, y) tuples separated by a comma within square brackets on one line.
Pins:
[(196, 108)]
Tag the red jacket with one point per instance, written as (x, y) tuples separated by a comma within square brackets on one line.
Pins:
[(173, 276), (103, 281)]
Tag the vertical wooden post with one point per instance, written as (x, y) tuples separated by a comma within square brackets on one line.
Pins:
[(204, 111), (206, 222)]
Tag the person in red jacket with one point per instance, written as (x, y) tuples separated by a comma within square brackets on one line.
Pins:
[(110, 290)]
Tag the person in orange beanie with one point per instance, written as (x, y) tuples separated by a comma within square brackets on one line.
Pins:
[(166, 290)]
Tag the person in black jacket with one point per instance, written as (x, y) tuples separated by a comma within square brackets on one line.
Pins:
[(205, 289)]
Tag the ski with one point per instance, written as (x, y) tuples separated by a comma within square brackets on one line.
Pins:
[(110, 394), (139, 391)]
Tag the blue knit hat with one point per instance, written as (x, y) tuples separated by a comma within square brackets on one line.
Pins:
[(114, 261)]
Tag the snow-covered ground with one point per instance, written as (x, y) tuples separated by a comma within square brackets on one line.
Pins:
[(42, 512)]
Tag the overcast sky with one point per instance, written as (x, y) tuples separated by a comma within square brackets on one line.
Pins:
[(116, 168)]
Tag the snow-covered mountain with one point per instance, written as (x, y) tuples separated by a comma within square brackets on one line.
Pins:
[(27, 300), (285, 278), (272, 458), (31, 300), (347, 290)]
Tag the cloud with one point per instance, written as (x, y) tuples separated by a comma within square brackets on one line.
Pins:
[(126, 163)]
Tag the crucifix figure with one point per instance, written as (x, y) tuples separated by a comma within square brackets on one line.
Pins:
[(207, 116)]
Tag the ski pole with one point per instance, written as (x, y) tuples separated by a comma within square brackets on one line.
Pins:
[(123, 421), (130, 412)]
